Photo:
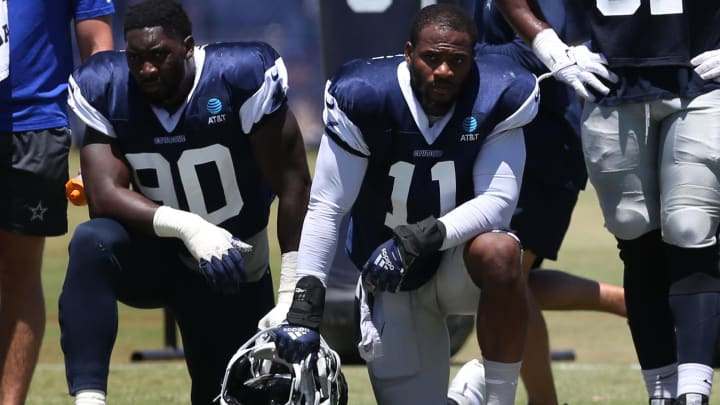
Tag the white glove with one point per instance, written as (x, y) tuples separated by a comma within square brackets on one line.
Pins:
[(286, 289), (218, 253), (707, 65), (575, 66)]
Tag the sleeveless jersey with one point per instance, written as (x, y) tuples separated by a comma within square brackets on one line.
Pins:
[(200, 159)]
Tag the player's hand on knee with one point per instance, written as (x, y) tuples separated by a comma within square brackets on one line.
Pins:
[(223, 265), (707, 65), (385, 268), (392, 261), (219, 254)]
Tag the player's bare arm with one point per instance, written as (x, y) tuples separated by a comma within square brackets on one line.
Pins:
[(280, 151), (524, 16), (93, 35), (107, 179)]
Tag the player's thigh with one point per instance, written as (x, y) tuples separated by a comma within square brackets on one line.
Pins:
[(138, 269), (542, 217), (620, 145), (33, 171), (452, 286), (690, 166), (415, 365)]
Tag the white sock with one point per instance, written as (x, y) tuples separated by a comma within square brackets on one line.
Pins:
[(468, 386), (90, 397), (501, 381), (661, 382), (694, 377)]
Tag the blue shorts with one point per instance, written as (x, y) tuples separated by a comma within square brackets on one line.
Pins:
[(542, 217), (33, 172)]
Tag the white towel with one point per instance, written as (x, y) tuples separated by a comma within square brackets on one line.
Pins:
[(370, 346), (5, 46)]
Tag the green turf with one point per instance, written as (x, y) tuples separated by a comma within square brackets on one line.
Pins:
[(605, 371)]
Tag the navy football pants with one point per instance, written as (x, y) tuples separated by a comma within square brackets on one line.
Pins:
[(107, 265)]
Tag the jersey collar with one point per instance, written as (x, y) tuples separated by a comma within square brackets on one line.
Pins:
[(170, 121)]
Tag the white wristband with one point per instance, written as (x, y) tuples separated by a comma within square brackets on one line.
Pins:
[(203, 239), (288, 278), (552, 51), (168, 222)]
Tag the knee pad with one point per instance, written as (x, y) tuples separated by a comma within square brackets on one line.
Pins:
[(629, 223), (689, 227)]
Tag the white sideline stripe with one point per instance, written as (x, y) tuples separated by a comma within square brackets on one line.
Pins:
[(594, 366), (121, 366)]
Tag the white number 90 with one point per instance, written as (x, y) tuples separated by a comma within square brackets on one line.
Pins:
[(629, 7), (377, 6)]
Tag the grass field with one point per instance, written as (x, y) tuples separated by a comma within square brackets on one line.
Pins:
[(605, 371)]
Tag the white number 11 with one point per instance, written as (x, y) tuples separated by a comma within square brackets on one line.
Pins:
[(629, 7), (402, 173)]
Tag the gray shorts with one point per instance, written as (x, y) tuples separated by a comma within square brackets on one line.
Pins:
[(656, 165), (33, 172)]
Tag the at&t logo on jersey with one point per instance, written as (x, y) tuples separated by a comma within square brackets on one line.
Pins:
[(469, 125), (214, 106)]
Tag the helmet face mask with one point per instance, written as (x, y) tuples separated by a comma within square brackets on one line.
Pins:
[(256, 375)]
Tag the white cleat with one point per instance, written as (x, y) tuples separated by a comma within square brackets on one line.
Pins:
[(468, 386)]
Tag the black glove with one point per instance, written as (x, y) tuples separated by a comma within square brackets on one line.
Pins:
[(392, 261)]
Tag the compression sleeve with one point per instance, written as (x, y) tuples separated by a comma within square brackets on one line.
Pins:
[(497, 175), (336, 184)]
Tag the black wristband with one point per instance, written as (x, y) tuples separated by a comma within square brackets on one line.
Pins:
[(426, 236), (308, 303)]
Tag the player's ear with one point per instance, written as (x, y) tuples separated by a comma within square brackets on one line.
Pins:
[(408, 51), (189, 44)]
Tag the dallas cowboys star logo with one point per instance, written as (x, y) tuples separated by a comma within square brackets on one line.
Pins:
[(38, 212)]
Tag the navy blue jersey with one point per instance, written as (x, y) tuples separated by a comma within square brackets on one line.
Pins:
[(654, 32), (649, 44), (552, 139), (408, 179), (200, 158)]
